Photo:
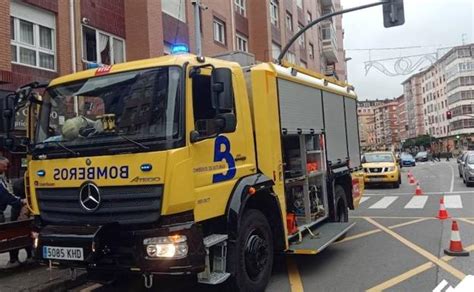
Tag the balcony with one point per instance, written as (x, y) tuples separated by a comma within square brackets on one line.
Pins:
[(329, 43)]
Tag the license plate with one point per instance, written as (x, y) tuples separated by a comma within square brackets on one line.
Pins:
[(63, 253), (376, 179)]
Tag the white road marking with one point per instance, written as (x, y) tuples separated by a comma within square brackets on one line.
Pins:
[(452, 179), (426, 193), (453, 202), (384, 202), (363, 199), (416, 202)]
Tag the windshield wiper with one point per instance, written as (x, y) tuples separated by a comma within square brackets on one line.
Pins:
[(66, 148), (134, 142)]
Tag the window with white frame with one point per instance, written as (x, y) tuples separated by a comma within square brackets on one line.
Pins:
[(301, 39), (289, 21), (311, 51), (240, 7), (291, 58), (242, 43), (299, 3), (274, 12), (309, 17), (32, 35), (175, 8), (101, 47), (276, 50), (219, 31)]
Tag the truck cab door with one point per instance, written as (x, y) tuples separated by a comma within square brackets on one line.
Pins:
[(219, 142)]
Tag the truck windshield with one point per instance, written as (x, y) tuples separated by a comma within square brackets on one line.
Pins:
[(141, 105)]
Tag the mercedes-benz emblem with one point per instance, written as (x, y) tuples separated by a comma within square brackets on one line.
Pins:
[(89, 197)]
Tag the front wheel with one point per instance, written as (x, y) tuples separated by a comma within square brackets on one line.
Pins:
[(250, 257), (341, 212)]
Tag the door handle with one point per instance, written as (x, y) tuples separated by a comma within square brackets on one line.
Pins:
[(240, 158)]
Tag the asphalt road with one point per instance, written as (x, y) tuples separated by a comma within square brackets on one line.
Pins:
[(396, 245)]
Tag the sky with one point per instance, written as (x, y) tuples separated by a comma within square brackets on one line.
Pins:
[(431, 26)]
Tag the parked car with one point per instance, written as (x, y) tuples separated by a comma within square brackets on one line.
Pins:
[(381, 168), (460, 161), (468, 169), (421, 156), (407, 160)]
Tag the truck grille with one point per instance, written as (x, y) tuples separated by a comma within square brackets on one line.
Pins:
[(124, 205), (375, 169)]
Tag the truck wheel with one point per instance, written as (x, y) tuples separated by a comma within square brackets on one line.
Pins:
[(250, 257), (341, 212)]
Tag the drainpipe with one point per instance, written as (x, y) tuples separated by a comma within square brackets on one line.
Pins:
[(72, 27)]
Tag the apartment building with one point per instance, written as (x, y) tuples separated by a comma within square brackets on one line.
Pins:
[(366, 127), (435, 103), (386, 125), (43, 39), (402, 119), (459, 68), (412, 92)]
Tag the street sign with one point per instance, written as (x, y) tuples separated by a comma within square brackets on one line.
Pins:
[(393, 13)]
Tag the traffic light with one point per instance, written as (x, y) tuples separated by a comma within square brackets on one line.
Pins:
[(448, 115), (393, 13)]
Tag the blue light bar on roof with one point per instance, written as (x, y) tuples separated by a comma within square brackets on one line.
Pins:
[(179, 49)]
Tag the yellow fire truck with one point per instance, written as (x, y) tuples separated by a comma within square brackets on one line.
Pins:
[(185, 164)]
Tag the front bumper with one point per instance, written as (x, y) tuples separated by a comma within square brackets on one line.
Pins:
[(386, 177), (120, 249)]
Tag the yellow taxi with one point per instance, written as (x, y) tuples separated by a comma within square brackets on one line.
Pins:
[(381, 168)]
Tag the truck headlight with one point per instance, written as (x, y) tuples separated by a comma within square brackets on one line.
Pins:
[(168, 247), (391, 168)]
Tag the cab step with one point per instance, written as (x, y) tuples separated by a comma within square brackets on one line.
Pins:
[(319, 238), (216, 246)]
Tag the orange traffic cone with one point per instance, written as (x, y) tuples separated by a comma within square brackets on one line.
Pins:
[(442, 213), (418, 190), (455, 245), (412, 180), (409, 174)]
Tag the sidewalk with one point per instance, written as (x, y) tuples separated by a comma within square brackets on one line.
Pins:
[(36, 277)]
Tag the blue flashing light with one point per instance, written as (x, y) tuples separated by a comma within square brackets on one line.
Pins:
[(41, 173), (179, 49), (146, 167), (91, 65)]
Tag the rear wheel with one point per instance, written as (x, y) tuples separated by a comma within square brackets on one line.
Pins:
[(250, 257)]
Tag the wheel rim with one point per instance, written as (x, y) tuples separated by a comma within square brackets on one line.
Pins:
[(256, 254)]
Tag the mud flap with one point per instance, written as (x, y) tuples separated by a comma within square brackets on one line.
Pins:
[(319, 238)]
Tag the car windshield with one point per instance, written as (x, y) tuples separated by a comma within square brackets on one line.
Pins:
[(470, 159), (421, 154), (378, 157), (407, 156), (138, 105)]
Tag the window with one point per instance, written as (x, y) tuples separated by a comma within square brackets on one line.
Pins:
[(289, 21), (303, 64), (274, 12), (240, 7), (102, 48), (219, 31), (32, 41), (242, 43), (299, 3), (203, 107), (301, 39), (166, 48), (309, 17), (291, 58), (311, 51), (175, 8), (276, 50)]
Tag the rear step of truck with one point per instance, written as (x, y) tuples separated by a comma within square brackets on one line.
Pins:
[(319, 238), (217, 274)]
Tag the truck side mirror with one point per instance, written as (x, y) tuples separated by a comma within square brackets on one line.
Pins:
[(226, 122), (222, 95)]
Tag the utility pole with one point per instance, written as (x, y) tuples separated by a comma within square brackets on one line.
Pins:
[(197, 26)]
